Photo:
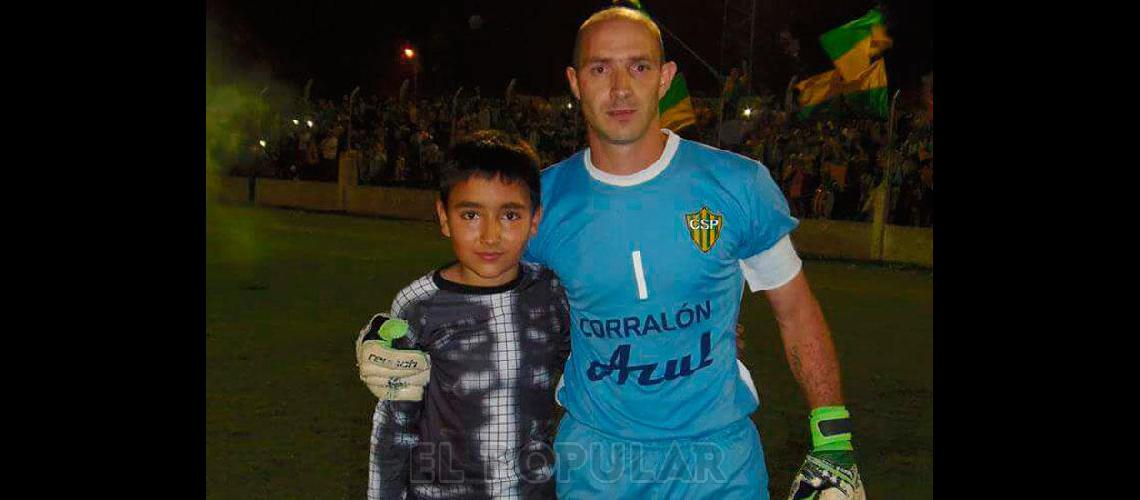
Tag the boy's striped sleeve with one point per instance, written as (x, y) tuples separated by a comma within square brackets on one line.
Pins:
[(393, 439)]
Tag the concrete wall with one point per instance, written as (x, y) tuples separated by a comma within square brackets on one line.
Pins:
[(860, 241), (912, 245), (867, 241), (834, 238), (233, 189), (310, 195), (417, 204)]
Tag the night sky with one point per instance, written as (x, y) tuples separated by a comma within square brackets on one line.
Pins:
[(343, 43)]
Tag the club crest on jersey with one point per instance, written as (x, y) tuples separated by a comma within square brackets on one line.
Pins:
[(704, 228)]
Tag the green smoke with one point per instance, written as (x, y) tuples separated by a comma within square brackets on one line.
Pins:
[(237, 109), (243, 105)]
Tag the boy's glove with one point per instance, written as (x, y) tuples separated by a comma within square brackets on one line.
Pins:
[(829, 472), (391, 374)]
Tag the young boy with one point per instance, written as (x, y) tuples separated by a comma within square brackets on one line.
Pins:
[(497, 334)]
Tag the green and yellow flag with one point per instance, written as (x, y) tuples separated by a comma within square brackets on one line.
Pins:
[(852, 45), (867, 93), (817, 90), (676, 107)]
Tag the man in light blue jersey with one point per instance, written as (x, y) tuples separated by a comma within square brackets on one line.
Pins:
[(654, 237)]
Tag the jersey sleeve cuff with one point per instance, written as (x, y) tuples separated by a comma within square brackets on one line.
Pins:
[(773, 267)]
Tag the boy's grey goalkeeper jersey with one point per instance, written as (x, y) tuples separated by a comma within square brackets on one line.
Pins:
[(485, 428)]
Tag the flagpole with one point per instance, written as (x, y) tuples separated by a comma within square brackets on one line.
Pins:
[(719, 77), (454, 108), (890, 161), (351, 98), (719, 117), (788, 101)]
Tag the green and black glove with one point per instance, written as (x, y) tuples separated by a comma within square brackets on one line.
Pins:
[(390, 374), (829, 472)]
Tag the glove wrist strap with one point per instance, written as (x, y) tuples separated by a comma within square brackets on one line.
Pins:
[(830, 429)]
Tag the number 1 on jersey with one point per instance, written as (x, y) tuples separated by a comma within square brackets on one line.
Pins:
[(639, 275)]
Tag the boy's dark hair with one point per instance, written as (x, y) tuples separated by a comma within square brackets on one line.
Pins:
[(489, 154)]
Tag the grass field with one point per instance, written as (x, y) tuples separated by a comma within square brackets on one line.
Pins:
[(286, 292)]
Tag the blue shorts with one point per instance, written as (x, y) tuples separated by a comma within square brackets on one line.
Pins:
[(724, 465)]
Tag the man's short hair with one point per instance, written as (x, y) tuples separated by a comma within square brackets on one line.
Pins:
[(612, 13), (491, 154)]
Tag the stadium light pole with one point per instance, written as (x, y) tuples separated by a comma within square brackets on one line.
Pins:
[(410, 56)]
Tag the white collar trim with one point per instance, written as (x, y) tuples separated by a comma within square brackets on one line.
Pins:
[(643, 176)]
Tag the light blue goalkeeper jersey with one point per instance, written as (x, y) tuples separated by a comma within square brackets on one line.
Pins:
[(650, 267)]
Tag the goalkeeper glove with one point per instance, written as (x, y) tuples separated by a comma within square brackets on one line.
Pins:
[(391, 374), (829, 471)]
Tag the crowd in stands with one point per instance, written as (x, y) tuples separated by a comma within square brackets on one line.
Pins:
[(828, 166)]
